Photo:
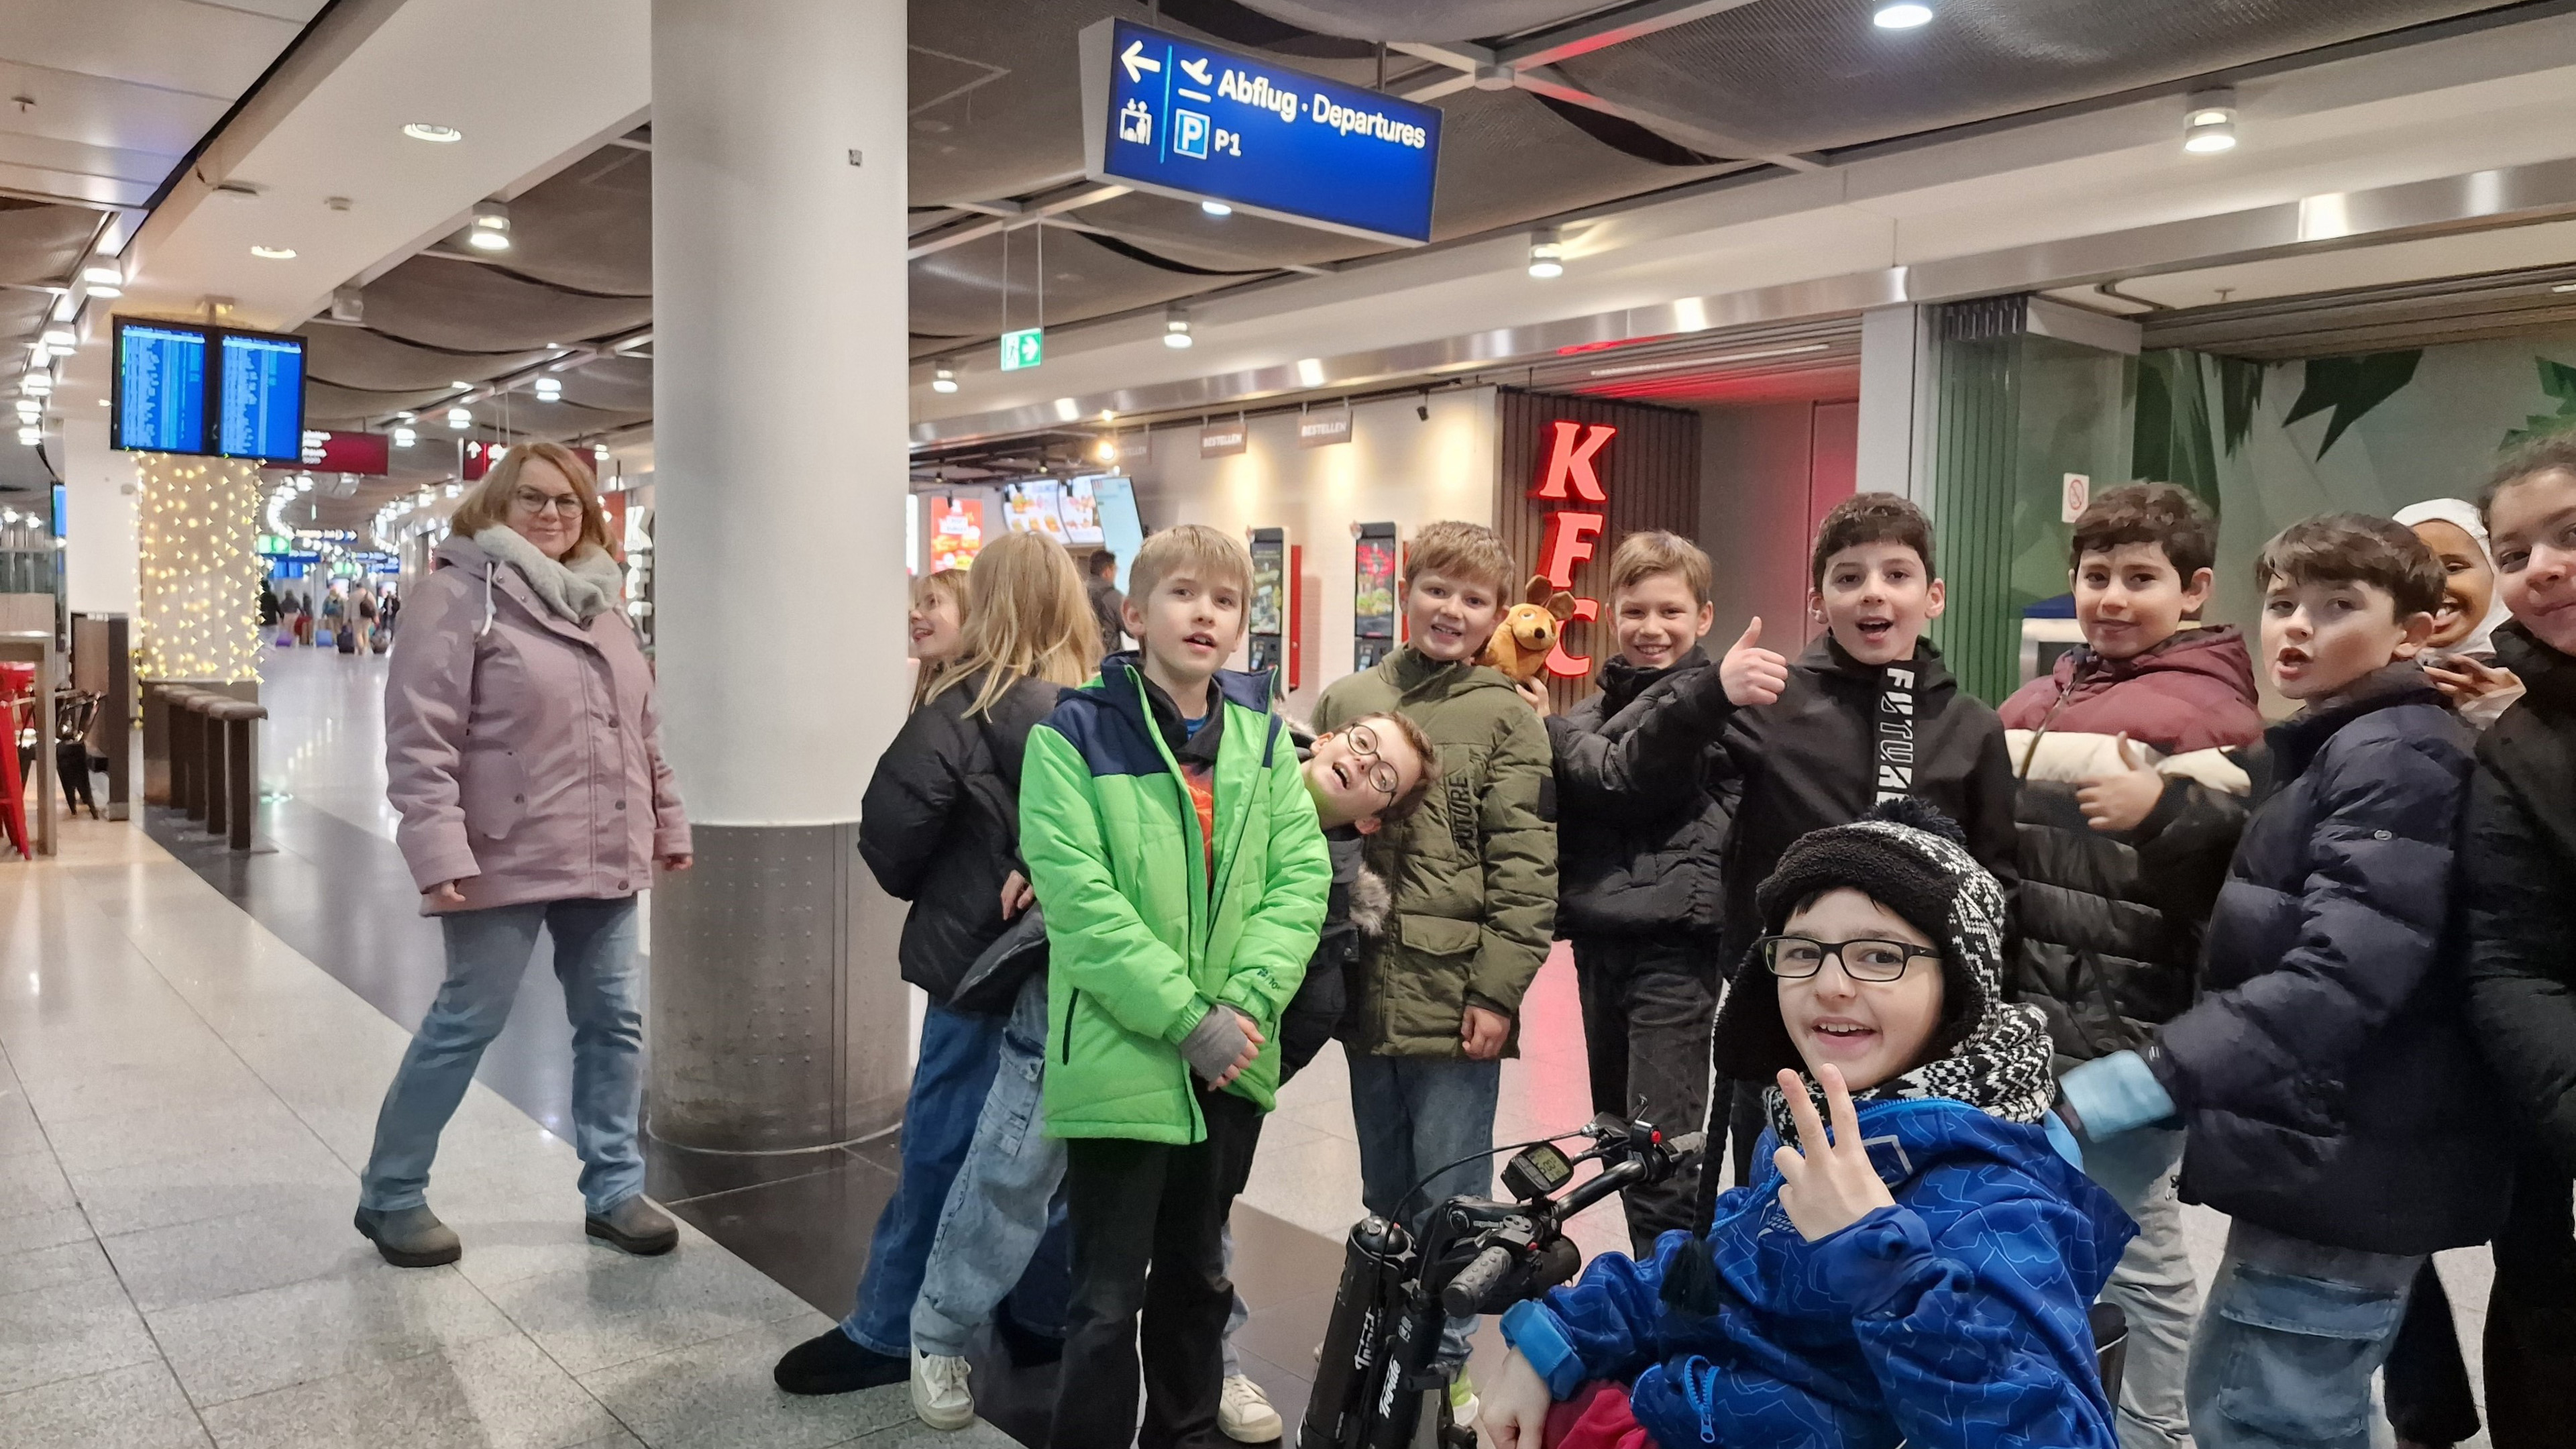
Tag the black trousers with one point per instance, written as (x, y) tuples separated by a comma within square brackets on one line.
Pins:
[(1646, 1010), (2530, 1337), (1148, 1226)]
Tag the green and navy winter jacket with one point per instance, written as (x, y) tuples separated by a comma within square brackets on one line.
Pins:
[(1143, 939)]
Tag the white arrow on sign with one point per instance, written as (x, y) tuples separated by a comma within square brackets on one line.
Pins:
[(1136, 61), (1197, 69)]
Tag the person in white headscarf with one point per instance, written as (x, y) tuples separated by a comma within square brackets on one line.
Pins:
[(2461, 657)]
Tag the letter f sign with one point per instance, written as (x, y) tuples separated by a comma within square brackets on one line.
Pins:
[(1570, 473)]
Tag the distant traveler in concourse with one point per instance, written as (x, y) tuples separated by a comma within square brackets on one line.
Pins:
[(939, 826), (523, 754), (1107, 604)]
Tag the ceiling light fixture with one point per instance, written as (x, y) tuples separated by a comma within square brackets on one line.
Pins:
[(30, 437), (59, 338), (943, 378), (273, 254), (2564, 287), (104, 279), (1107, 451), (405, 437), (1902, 17), (2209, 124), (491, 229), (550, 389), (1176, 328), (427, 131), (1216, 208), (460, 418), (599, 452), (1546, 253)]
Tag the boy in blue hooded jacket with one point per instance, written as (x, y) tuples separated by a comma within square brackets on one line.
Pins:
[(1923, 1276)]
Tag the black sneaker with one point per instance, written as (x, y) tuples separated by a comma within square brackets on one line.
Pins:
[(831, 1362)]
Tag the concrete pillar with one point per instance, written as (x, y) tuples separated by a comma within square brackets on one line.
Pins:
[(1896, 402), (779, 437), (99, 493)]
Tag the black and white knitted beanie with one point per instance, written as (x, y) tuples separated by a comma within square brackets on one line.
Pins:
[(1910, 858)]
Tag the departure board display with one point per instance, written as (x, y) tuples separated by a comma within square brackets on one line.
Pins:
[(260, 405), (161, 386)]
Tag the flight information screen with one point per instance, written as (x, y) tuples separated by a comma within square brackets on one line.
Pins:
[(261, 407), (160, 387)]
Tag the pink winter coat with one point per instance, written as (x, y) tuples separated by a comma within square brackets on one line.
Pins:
[(522, 753)]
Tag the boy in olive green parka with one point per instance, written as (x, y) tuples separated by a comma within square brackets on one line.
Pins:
[(1473, 873)]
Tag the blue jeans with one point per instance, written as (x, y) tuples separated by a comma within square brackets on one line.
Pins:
[(2153, 1285), (1415, 1115), (487, 953), (959, 1051), (2288, 1342), (1003, 1222)]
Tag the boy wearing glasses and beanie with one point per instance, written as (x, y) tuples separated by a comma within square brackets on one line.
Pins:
[(1926, 1273)]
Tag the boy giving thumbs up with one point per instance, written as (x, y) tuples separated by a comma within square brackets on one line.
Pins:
[(1866, 713)]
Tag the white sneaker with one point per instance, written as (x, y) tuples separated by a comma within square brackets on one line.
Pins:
[(939, 1395), (1243, 1411)]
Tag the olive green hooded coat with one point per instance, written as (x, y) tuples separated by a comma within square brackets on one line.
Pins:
[(1473, 872)]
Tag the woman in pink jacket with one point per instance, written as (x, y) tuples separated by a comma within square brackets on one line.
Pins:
[(524, 759)]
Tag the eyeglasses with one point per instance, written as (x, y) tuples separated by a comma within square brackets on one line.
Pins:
[(529, 500), (1382, 777), (1795, 958)]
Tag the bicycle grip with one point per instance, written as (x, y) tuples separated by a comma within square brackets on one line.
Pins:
[(1467, 1291)]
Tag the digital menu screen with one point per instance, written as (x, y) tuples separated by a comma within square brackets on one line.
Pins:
[(260, 409), (161, 386)]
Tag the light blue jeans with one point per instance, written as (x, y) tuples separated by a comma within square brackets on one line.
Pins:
[(950, 1080), (1415, 1117), (1003, 1223), (2153, 1285), (487, 954), (2292, 1334)]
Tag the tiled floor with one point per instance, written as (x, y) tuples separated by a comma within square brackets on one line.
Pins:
[(194, 1046)]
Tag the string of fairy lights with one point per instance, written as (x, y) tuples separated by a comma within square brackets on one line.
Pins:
[(199, 568)]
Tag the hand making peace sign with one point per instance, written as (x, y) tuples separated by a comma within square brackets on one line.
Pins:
[(1827, 1188)]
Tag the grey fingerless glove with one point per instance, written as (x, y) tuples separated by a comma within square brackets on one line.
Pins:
[(1216, 1043)]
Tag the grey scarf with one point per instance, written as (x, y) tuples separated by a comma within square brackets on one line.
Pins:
[(576, 590)]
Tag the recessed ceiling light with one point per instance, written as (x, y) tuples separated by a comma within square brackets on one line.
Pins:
[(2564, 287), (2209, 122), (424, 131), (1216, 208), (1176, 327), (1546, 253), (460, 384), (943, 378), (274, 254), (1902, 17)]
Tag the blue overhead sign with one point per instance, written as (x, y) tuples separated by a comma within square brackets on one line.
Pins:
[(1187, 119)]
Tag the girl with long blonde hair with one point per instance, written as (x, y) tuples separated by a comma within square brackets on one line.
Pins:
[(940, 828), (935, 627)]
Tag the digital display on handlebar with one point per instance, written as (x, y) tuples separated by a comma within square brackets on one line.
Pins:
[(1537, 1172)]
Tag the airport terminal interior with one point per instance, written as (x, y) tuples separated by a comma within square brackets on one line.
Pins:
[(283, 283)]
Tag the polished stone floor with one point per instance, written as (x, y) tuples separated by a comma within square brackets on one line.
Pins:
[(194, 1045)]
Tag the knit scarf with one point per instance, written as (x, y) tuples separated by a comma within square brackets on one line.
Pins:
[(576, 589)]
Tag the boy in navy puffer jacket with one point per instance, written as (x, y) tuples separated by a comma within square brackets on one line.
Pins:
[(2335, 1106)]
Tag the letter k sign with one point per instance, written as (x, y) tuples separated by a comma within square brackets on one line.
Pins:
[(1570, 450)]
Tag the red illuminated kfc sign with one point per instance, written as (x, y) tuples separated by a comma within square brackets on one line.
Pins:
[(1569, 483)]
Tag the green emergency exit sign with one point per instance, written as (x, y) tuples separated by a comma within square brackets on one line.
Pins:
[(1024, 348)]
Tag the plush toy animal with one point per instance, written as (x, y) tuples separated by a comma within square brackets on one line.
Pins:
[(1527, 632)]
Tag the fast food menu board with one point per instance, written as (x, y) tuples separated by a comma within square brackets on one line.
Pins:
[(1034, 507), (956, 532), (1269, 581), (1080, 508), (1373, 567)]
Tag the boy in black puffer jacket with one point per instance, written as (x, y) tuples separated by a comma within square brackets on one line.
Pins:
[(2335, 1105), (1641, 829), (2519, 865)]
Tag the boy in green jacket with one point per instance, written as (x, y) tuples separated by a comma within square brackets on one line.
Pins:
[(1474, 878), (1172, 842)]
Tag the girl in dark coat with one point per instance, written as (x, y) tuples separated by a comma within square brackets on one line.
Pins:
[(939, 827), (2519, 870)]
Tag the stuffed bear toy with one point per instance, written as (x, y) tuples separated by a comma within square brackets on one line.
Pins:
[(1527, 632)]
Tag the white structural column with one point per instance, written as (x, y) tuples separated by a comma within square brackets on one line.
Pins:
[(1896, 402), (780, 466), (99, 501)]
